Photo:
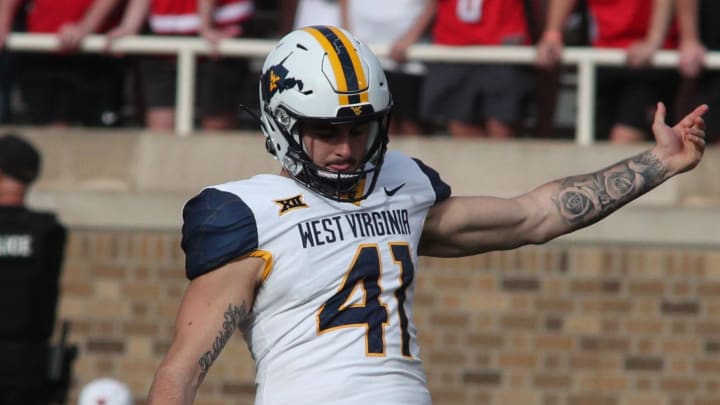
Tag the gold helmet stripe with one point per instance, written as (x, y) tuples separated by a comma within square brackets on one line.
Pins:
[(345, 62)]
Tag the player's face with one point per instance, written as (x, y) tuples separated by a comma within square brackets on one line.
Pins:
[(337, 147)]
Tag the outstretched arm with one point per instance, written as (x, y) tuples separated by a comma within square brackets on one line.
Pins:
[(462, 226), (215, 305)]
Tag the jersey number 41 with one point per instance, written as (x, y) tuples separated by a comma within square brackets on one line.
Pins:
[(372, 314)]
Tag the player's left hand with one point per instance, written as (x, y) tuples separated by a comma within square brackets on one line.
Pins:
[(681, 147)]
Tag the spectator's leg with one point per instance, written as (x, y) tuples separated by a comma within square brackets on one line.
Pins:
[(220, 91), (505, 95), (158, 79), (460, 129), (160, 119)]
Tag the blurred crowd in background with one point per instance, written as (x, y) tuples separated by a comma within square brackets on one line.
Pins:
[(71, 88)]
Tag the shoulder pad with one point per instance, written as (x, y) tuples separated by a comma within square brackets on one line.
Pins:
[(218, 227)]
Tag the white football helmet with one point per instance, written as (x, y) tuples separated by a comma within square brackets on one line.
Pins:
[(322, 74)]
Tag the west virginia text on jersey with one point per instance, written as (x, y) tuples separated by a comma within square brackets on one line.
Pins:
[(356, 225)]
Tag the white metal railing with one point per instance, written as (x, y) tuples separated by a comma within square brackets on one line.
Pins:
[(188, 48)]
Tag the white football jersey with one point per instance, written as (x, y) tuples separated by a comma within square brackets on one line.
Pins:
[(333, 320)]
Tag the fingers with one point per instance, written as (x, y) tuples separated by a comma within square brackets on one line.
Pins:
[(660, 113), (113, 36), (70, 37), (699, 123), (700, 110), (213, 39), (692, 58), (697, 140), (638, 56), (695, 119), (231, 31), (548, 54), (690, 68), (214, 36), (70, 42), (694, 126)]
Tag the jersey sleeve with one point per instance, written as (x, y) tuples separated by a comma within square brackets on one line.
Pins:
[(442, 190), (218, 227)]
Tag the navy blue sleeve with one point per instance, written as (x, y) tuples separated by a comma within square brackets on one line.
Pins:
[(442, 189), (218, 227)]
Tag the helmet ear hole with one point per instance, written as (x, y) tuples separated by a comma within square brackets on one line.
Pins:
[(283, 118), (270, 147)]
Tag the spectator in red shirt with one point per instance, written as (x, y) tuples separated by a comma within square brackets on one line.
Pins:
[(67, 88), (626, 95), (478, 100)]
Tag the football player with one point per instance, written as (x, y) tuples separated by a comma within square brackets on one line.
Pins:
[(316, 264)]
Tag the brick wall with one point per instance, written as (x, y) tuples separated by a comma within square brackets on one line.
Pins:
[(559, 324)]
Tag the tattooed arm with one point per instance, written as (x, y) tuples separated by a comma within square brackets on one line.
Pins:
[(214, 306), (461, 226)]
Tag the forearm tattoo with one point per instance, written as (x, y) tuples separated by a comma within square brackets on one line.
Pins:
[(585, 199), (236, 317)]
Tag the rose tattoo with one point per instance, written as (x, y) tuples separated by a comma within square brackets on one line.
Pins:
[(585, 199)]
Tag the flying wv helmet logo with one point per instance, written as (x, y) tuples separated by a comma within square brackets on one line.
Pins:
[(276, 79), (290, 204)]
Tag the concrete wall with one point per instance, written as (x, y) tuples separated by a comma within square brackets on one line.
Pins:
[(138, 180), (624, 312)]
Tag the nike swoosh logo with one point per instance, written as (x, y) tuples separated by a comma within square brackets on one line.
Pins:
[(394, 190)]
